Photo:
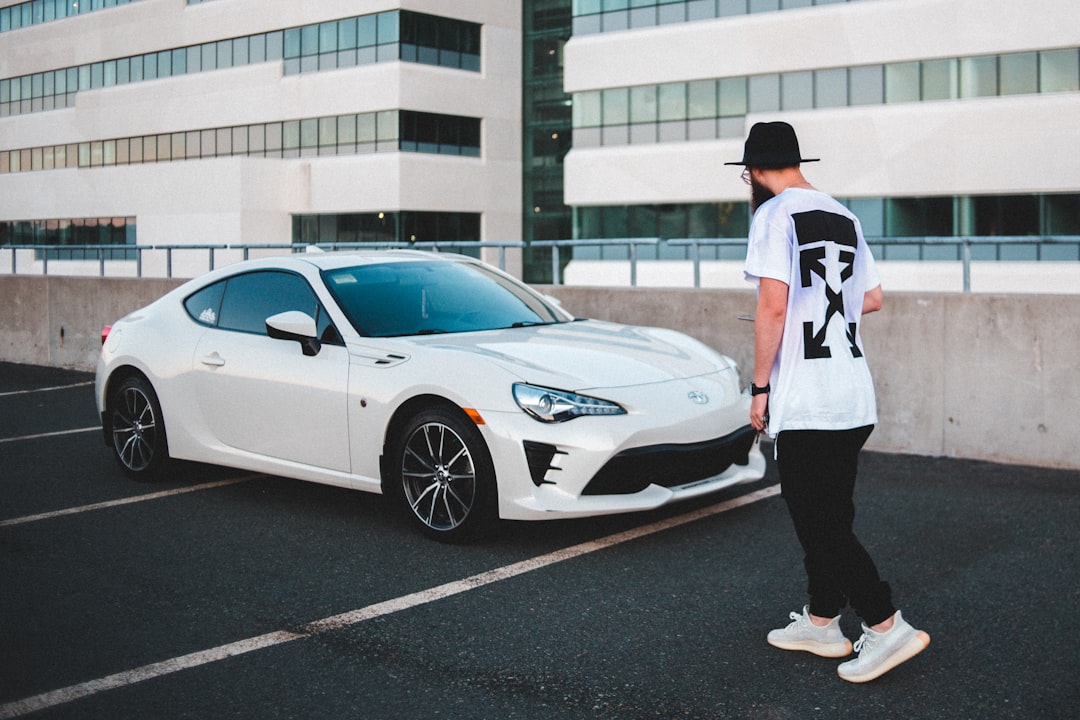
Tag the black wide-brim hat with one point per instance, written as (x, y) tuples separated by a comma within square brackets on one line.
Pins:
[(772, 145)]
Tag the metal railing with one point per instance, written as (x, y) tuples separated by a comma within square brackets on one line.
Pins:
[(691, 248)]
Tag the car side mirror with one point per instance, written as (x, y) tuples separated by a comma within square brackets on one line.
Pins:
[(297, 326)]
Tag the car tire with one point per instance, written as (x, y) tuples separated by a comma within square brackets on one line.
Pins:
[(138, 432), (442, 473)]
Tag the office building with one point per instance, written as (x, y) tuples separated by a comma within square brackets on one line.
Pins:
[(165, 122)]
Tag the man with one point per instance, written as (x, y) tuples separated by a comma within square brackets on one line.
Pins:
[(812, 392)]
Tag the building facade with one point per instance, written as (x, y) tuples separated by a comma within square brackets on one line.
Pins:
[(188, 122), (932, 117), (173, 122)]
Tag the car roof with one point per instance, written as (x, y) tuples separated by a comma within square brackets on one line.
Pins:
[(333, 260)]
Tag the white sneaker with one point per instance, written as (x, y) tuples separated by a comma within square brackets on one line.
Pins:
[(880, 652), (802, 634)]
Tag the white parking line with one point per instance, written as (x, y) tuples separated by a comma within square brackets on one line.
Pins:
[(95, 428), (335, 622), (124, 501), (47, 389)]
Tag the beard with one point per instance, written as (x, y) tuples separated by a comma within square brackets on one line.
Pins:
[(758, 195)]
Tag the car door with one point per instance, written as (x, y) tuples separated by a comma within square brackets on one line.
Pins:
[(264, 396)]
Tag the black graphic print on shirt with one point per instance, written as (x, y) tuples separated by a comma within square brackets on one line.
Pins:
[(815, 230)]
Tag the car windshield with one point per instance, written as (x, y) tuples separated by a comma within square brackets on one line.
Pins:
[(419, 297)]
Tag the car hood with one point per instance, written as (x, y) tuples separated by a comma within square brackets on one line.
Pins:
[(586, 354)]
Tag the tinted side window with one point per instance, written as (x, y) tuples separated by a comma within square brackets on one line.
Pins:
[(205, 305), (253, 297)]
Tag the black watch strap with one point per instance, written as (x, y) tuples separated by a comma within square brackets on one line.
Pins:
[(755, 390)]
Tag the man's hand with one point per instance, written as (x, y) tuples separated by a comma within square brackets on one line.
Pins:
[(759, 412)]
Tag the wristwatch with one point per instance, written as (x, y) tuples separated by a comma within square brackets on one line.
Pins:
[(755, 390)]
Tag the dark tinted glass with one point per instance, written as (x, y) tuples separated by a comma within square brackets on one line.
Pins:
[(205, 305), (253, 297), (425, 297)]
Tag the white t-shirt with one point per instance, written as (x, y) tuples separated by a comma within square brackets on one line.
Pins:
[(820, 379)]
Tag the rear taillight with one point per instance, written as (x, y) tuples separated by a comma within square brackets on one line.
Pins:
[(105, 330)]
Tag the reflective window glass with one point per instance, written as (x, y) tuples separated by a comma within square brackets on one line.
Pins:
[(615, 106), (1059, 70), (251, 298), (672, 101), (939, 79), (978, 76), (1019, 73), (642, 105), (831, 89), (701, 99), (797, 90), (765, 93), (902, 82)]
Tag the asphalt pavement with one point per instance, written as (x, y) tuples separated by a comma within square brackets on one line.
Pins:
[(221, 594)]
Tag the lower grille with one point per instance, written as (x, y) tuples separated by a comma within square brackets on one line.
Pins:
[(669, 465)]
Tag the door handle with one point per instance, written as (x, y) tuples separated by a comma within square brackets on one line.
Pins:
[(213, 360)]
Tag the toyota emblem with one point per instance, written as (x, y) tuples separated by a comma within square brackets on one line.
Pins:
[(697, 396)]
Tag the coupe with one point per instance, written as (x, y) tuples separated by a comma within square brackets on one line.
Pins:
[(432, 377)]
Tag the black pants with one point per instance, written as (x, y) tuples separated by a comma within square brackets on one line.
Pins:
[(817, 480)]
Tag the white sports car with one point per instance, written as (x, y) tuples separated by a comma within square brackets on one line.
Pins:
[(432, 377)]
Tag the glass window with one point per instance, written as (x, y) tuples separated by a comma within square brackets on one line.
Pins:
[(240, 140), (191, 144), (1059, 70), (292, 43), (251, 298), (701, 99), (672, 101), (978, 76), (797, 90), (642, 105), (290, 135), (275, 45), (224, 54), (241, 52), (765, 93), (149, 148), (365, 128), (209, 57), (866, 85), (615, 106), (388, 27), (309, 40), (346, 34), (150, 66), (205, 305), (365, 31), (256, 139), (733, 101), (939, 79), (328, 37), (346, 129), (179, 144), (831, 88), (309, 133), (123, 72), (586, 109), (1019, 73), (902, 82), (257, 48), (328, 131), (207, 143), (223, 138)]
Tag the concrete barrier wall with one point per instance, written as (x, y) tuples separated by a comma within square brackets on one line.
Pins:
[(993, 377)]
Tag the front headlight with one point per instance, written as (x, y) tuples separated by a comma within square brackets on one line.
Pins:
[(551, 406)]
